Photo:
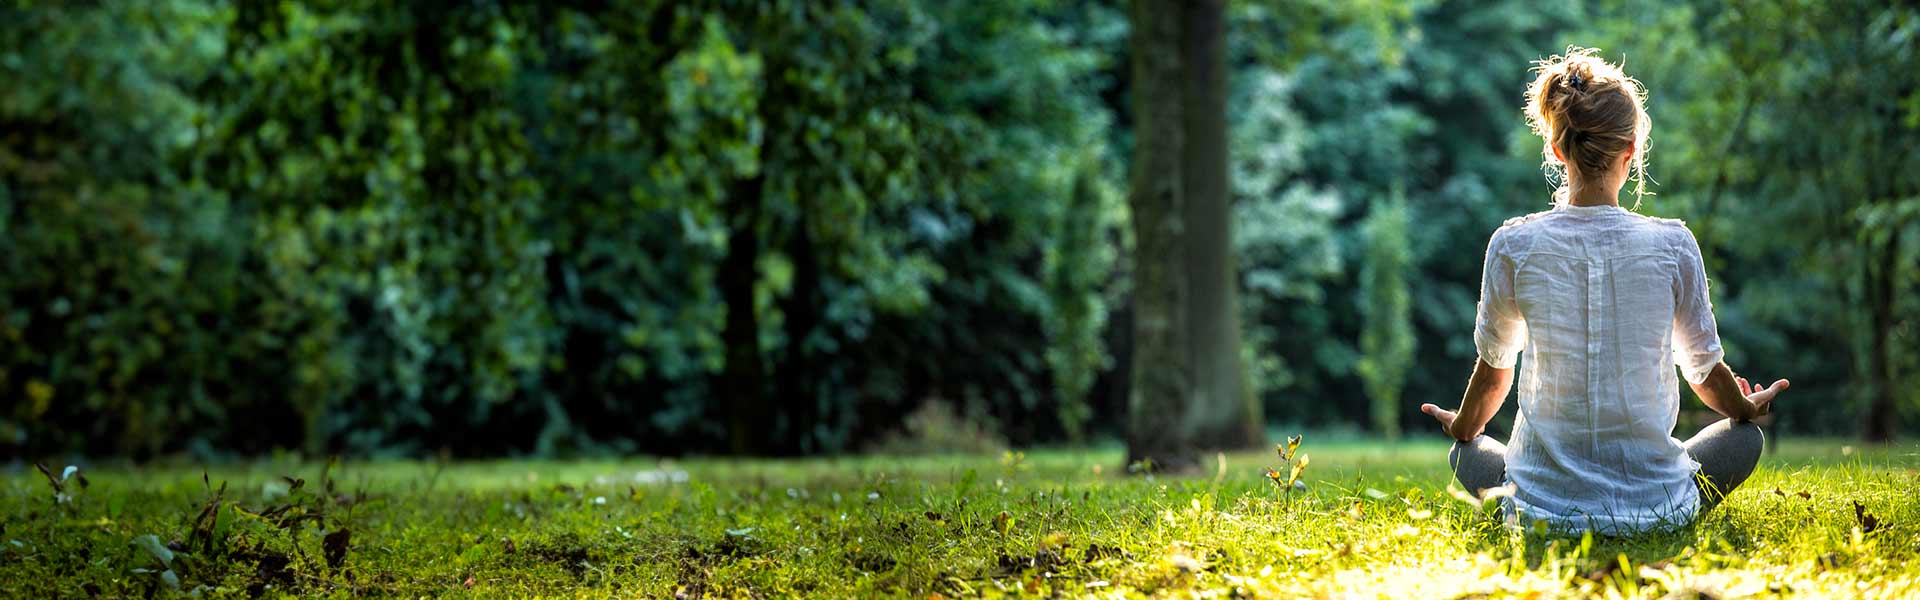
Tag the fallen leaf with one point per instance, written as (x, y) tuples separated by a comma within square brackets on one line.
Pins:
[(335, 547), (1055, 540), (1867, 521)]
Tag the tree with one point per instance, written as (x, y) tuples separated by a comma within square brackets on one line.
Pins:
[(1162, 374), (1189, 380), (1226, 413), (1386, 335)]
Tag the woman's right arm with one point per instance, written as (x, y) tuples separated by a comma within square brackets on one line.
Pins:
[(1696, 345)]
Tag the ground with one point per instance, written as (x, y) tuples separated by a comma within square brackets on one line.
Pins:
[(1819, 519)]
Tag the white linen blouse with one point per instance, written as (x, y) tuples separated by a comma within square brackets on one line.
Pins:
[(1604, 303)]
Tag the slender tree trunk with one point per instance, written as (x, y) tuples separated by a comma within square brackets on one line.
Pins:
[(740, 380), (801, 314), (1881, 282), (1161, 390), (1226, 414)]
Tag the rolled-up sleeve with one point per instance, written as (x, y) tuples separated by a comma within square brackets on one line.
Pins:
[(1499, 332), (1696, 337)]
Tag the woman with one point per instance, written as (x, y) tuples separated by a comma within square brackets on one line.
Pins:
[(1604, 303)]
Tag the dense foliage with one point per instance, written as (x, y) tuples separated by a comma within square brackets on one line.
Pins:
[(779, 227), (372, 226)]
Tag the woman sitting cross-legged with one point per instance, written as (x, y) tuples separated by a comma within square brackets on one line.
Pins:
[(1604, 303)]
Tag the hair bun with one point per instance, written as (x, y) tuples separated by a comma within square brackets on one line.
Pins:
[(1588, 112)]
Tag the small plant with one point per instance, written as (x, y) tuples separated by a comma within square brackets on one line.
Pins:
[(1296, 464), (61, 493), (1013, 461)]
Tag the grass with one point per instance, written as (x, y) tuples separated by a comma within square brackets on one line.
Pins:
[(1375, 520)]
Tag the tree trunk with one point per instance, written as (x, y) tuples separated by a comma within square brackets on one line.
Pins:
[(1225, 414), (1881, 282), (740, 380), (801, 311), (1160, 395)]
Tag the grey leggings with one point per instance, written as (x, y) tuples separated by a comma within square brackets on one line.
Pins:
[(1726, 451)]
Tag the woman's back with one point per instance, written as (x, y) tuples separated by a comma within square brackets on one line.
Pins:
[(1598, 299)]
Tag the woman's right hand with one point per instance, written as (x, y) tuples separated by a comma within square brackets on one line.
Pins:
[(1760, 399)]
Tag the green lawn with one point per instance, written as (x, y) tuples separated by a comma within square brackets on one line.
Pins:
[(1374, 520)]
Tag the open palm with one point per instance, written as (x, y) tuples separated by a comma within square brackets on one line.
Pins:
[(1444, 416), (1762, 398)]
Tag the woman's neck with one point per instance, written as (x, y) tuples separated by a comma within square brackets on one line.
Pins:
[(1593, 195)]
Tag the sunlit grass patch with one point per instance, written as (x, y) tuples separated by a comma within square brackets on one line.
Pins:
[(1373, 520)]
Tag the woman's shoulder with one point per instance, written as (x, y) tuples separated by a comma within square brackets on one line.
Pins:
[(1519, 232), (1523, 219), (1674, 230), (1662, 222), (1513, 225), (1517, 227), (1672, 235)]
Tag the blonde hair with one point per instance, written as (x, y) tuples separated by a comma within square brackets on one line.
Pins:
[(1592, 111)]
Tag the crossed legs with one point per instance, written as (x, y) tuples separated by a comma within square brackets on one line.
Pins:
[(1727, 452), (1479, 464)]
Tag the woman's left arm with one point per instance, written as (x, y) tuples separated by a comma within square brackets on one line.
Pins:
[(1486, 391)]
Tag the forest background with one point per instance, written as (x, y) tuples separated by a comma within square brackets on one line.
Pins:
[(496, 228)]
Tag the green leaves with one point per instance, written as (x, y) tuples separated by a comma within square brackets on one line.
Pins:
[(161, 554), (369, 226), (151, 544)]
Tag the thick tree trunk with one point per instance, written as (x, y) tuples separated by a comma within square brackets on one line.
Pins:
[(740, 380), (1160, 394), (1225, 414), (1881, 282)]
